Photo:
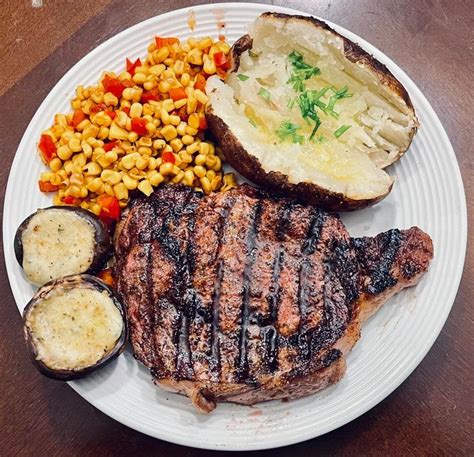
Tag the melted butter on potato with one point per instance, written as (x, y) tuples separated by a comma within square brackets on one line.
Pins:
[(74, 328), (57, 243)]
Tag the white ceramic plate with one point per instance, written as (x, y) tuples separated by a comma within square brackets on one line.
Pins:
[(428, 192)]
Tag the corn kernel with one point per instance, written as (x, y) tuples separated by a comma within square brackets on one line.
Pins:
[(169, 132), (132, 136), (96, 185), (175, 120), (121, 191), (68, 166), (194, 121), (206, 185), (181, 128), (55, 164), (75, 104), (90, 131), (110, 99), (110, 177), (155, 178), (199, 171), (168, 104), (185, 157), (185, 79), (64, 153), (192, 148), (117, 133), (164, 87), (191, 105), (201, 97), (164, 116), (152, 163), (142, 162), (92, 169), (166, 169), (157, 69), (218, 165), (139, 78), (128, 161), (161, 54), (127, 93), (151, 128), (76, 179), (209, 66), (176, 144), (200, 159), (136, 110), (178, 177), (130, 183), (159, 144), (145, 186), (103, 133), (205, 43)]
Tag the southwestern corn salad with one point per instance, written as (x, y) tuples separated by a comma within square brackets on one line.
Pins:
[(138, 129)]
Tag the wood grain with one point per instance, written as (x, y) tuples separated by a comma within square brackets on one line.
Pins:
[(430, 414)]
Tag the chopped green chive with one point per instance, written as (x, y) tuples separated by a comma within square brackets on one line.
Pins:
[(301, 71), (264, 94), (288, 130), (242, 77), (341, 130), (251, 122)]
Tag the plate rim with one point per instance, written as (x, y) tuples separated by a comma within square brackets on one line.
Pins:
[(428, 343)]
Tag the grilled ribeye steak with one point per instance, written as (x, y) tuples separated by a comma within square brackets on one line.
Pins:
[(241, 297)]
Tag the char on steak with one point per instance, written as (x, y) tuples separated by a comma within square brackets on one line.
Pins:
[(242, 297)]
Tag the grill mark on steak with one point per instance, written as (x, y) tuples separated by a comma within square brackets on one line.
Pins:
[(379, 256), (263, 281), (233, 256), (206, 279), (251, 249)]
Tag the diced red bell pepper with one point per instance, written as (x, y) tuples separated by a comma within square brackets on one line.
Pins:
[(99, 107), (69, 200), (139, 126), (148, 95), (221, 73), (131, 66), (111, 114), (126, 109), (221, 61), (106, 276), (168, 156), (47, 147), (110, 145), (200, 82), (202, 123), (162, 42), (177, 94), (77, 118), (45, 186), (113, 85), (110, 207)]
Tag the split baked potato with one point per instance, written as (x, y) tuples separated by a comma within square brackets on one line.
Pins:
[(308, 113)]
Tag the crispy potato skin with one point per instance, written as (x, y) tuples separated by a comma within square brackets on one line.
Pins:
[(250, 167), (353, 52)]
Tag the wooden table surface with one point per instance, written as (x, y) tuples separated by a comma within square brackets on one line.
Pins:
[(430, 414)]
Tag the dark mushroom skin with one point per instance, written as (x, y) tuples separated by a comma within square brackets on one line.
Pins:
[(67, 283), (102, 238)]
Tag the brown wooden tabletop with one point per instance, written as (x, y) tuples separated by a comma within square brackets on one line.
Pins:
[(429, 414)]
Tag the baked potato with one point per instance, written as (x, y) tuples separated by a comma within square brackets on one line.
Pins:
[(308, 113)]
